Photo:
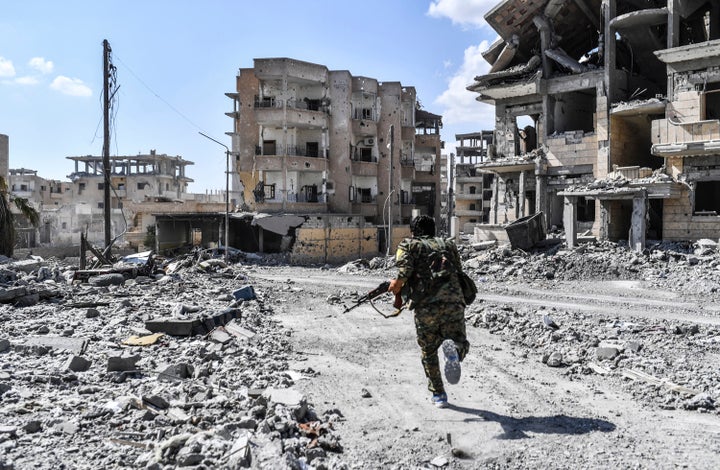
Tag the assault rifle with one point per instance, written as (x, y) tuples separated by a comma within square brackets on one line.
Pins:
[(375, 293)]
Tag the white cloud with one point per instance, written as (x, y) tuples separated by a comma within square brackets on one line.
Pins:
[(463, 12), (6, 68), (27, 80), (70, 86), (41, 65), (460, 105)]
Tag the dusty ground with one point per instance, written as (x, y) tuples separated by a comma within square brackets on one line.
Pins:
[(628, 378), (510, 410)]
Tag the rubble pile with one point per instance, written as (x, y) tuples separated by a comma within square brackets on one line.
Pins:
[(693, 267), (181, 367), (670, 364)]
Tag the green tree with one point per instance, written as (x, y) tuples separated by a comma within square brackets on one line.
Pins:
[(7, 218)]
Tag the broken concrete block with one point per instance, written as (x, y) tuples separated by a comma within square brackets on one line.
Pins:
[(285, 396), (77, 364), (12, 293), (104, 280), (32, 426), (244, 293), (76, 345), (555, 359), (239, 455), (177, 372), (92, 313), (27, 300), (173, 326), (156, 401), (4, 345), (122, 363), (607, 352), (220, 335), (26, 265), (238, 331)]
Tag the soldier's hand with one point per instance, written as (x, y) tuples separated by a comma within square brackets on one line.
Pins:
[(395, 286)]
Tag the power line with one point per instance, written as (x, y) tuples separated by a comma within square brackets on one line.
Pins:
[(157, 95)]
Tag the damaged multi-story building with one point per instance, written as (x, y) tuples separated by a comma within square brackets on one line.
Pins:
[(345, 159), (606, 117), (144, 187)]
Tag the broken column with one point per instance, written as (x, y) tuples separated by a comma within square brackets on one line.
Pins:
[(570, 220), (639, 221)]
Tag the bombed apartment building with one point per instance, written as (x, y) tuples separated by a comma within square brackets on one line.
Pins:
[(142, 187), (349, 153), (606, 116)]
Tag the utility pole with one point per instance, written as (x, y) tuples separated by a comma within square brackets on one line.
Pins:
[(451, 194), (106, 140), (390, 189)]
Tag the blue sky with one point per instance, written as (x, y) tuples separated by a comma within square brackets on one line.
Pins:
[(176, 60)]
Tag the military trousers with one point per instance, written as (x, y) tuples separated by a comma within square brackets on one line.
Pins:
[(434, 323)]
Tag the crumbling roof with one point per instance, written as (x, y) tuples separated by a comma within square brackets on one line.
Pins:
[(427, 119), (577, 23)]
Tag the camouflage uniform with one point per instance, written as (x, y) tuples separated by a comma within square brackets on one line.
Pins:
[(439, 309)]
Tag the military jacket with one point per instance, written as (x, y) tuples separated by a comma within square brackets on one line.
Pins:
[(412, 260)]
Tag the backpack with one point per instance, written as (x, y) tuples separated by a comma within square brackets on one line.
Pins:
[(442, 266)]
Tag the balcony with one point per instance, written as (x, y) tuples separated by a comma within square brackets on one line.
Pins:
[(468, 196), (362, 168), (671, 138)]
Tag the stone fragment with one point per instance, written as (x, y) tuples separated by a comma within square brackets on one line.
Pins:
[(220, 335), (156, 401), (67, 427), (238, 331), (4, 429), (555, 359), (26, 265), (245, 293), (12, 293), (634, 346), (606, 353), (176, 372), (4, 345), (284, 396), (122, 363), (105, 280), (32, 426), (173, 326), (27, 300), (92, 313), (77, 364), (76, 345), (177, 415), (239, 454), (700, 400)]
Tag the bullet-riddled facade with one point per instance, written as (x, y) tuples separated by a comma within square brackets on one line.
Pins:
[(606, 116), (308, 140)]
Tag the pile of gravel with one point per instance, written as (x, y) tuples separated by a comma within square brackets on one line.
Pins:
[(71, 386)]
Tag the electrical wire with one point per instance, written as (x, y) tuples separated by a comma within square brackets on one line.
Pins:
[(173, 108)]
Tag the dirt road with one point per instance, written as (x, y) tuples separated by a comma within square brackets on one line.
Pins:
[(510, 410)]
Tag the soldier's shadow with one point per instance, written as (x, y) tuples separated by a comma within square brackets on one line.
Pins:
[(516, 428)]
